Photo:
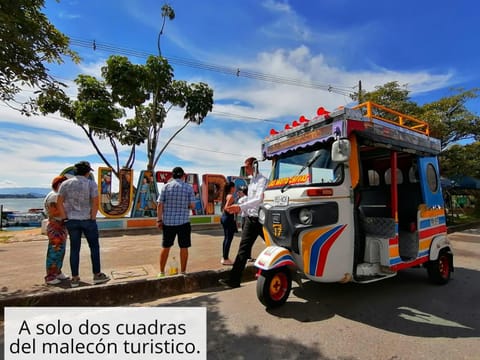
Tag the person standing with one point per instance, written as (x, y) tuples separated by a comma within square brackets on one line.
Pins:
[(242, 197), (228, 221), (78, 204), (174, 203), (57, 235), (252, 227)]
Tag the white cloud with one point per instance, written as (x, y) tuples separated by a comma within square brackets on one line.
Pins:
[(93, 68)]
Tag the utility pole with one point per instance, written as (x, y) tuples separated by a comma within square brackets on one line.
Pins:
[(360, 91)]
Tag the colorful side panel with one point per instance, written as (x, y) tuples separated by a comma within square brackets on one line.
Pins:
[(428, 172), (194, 181), (212, 192), (274, 257), (430, 224), (114, 204), (145, 203), (315, 248), (163, 176)]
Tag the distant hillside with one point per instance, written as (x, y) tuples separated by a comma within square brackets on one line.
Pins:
[(23, 192)]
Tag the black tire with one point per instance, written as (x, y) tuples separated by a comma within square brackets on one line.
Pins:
[(273, 287), (439, 270)]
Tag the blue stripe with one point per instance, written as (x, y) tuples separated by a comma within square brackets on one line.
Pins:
[(284, 258), (317, 245), (423, 253)]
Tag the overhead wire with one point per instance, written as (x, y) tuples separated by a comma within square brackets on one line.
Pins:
[(233, 71), (237, 72)]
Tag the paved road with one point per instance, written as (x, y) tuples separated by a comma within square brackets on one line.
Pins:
[(400, 318)]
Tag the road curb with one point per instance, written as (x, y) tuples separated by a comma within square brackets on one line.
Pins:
[(122, 293)]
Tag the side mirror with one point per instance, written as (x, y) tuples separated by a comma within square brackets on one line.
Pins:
[(341, 149)]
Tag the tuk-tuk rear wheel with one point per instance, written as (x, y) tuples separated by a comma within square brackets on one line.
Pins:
[(273, 287), (439, 270)]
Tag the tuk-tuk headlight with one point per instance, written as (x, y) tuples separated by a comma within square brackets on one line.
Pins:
[(305, 216), (261, 216)]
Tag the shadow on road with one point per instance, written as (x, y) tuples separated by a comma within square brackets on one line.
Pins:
[(406, 304), (223, 344)]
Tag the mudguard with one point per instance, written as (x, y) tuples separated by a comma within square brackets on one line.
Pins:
[(274, 257), (438, 243)]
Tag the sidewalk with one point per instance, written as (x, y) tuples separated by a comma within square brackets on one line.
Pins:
[(131, 260)]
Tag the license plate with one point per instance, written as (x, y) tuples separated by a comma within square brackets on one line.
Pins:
[(280, 200)]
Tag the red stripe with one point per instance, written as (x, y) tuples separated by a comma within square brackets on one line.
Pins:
[(324, 251), (409, 264), (432, 231)]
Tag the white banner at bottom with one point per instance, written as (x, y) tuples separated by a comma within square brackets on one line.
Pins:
[(91, 333)]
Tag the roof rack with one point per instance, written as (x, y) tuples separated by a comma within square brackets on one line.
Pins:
[(374, 111)]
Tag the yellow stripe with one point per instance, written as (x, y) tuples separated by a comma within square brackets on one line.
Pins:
[(393, 251), (425, 243), (426, 213), (354, 167), (307, 241), (268, 240)]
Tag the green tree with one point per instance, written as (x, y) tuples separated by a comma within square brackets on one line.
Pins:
[(392, 95), (449, 118), (28, 41), (150, 90), (167, 12), (95, 112), (461, 160)]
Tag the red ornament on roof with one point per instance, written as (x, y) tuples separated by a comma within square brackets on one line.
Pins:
[(321, 111)]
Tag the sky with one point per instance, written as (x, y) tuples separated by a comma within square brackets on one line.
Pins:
[(291, 57)]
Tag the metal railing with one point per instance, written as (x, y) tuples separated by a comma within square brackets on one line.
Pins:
[(382, 113)]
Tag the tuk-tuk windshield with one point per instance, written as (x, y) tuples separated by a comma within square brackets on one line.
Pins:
[(318, 164)]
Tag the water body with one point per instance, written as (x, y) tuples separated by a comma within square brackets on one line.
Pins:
[(21, 204)]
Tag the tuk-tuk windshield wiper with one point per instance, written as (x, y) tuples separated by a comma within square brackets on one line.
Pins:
[(309, 163)]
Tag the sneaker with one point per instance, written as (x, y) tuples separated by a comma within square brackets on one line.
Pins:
[(52, 280), (226, 262), (100, 278), (161, 275), (251, 259), (62, 276), (75, 282)]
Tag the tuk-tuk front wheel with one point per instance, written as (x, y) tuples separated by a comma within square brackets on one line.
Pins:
[(439, 270), (273, 287)]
